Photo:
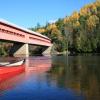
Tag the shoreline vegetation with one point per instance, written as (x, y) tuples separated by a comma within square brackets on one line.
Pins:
[(78, 33)]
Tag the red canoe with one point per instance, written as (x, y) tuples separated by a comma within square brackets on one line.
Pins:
[(10, 69)]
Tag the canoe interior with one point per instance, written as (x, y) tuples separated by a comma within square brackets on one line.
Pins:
[(9, 64)]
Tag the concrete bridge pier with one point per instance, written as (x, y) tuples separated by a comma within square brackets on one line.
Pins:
[(19, 50), (48, 50)]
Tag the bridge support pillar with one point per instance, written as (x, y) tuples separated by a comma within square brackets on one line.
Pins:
[(48, 50), (19, 50)]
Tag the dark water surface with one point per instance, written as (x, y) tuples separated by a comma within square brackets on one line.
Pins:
[(55, 78)]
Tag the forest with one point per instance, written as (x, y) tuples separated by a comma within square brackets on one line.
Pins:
[(78, 33)]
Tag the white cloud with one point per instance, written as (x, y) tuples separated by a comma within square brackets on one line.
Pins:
[(52, 21)]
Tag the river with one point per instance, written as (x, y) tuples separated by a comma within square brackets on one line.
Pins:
[(55, 78)]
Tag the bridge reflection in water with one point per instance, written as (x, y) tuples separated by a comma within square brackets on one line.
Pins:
[(39, 81), (37, 65), (33, 66)]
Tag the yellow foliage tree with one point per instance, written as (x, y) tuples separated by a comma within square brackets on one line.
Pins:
[(76, 24), (51, 26), (89, 9), (66, 20), (75, 16), (97, 3), (92, 22), (85, 11), (41, 30)]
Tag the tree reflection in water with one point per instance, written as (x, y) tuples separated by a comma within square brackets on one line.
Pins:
[(78, 76), (80, 73)]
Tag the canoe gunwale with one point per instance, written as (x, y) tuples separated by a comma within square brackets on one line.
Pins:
[(14, 64)]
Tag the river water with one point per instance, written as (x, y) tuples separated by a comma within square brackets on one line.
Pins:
[(55, 78)]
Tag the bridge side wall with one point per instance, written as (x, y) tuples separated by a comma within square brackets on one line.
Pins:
[(17, 35)]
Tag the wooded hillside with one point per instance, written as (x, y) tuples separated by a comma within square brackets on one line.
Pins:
[(79, 32)]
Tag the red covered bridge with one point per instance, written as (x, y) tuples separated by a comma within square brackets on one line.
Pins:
[(21, 38)]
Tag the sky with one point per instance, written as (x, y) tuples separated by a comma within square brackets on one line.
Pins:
[(27, 13)]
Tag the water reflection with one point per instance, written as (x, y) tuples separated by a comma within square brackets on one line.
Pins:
[(55, 78), (11, 81), (80, 73), (37, 65)]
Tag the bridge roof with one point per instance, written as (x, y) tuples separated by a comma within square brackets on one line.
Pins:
[(22, 29)]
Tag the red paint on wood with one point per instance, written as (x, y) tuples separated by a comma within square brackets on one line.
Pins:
[(12, 33)]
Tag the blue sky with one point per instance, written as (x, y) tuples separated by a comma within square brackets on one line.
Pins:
[(27, 13)]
